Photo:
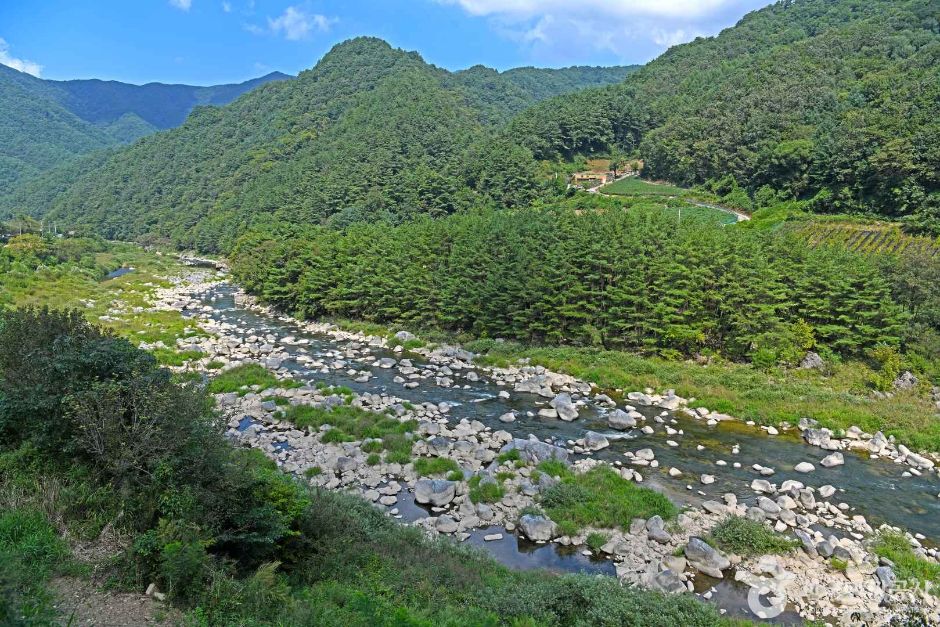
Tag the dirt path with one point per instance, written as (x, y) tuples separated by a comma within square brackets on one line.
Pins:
[(82, 604)]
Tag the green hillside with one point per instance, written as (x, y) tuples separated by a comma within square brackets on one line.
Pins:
[(47, 123), (369, 133), (36, 131), (837, 102)]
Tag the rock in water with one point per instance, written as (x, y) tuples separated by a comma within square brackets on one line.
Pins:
[(437, 492), (595, 441), (564, 406), (804, 467), (537, 528), (830, 461), (705, 558), (621, 420)]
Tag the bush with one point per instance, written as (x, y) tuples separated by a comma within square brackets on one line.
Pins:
[(30, 551), (907, 565), (425, 467), (601, 498), (485, 491), (745, 537), (596, 540), (240, 378)]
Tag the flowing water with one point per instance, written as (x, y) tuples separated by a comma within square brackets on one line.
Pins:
[(874, 488)]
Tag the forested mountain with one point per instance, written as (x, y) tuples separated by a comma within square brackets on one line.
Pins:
[(161, 105), (36, 132), (46, 123), (369, 132), (502, 95), (837, 101)]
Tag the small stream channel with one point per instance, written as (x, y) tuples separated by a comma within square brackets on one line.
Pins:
[(874, 488)]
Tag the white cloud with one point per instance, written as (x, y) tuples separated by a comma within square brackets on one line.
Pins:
[(296, 23), (29, 67), (630, 30), (227, 7), (621, 8)]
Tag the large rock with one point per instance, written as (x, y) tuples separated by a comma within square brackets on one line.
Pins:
[(812, 361), (537, 528), (655, 530), (535, 451), (886, 577), (667, 581), (563, 404), (405, 336), (621, 420), (906, 381), (595, 441), (705, 558), (830, 461), (436, 492), (804, 467)]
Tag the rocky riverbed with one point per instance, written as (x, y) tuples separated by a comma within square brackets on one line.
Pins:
[(788, 478)]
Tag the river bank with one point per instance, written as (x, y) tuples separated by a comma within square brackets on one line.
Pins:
[(457, 406)]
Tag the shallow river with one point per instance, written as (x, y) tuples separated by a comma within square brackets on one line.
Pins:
[(874, 488)]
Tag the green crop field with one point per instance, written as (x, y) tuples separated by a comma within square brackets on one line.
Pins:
[(634, 186), (875, 237)]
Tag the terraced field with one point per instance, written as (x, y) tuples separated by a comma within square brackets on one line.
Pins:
[(876, 237)]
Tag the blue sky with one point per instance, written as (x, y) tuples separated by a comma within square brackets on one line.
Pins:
[(214, 41)]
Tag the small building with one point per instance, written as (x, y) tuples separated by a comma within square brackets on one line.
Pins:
[(590, 179)]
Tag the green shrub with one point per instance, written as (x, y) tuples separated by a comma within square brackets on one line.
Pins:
[(510, 455), (425, 467), (484, 492), (596, 540), (907, 565), (745, 537), (374, 459), (246, 376), (30, 551), (601, 498)]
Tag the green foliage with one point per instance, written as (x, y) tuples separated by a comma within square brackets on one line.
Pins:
[(600, 498), (596, 540), (508, 456), (745, 537), (907, 565), (48, 123), (425, 467), (30, 551), (832, 102), (485, 491), (349, 423), (617, 280), (889, 364), (638, 187), (242, 378)]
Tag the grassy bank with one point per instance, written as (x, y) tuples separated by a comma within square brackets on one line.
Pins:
[(71, 273), (838, 399)]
